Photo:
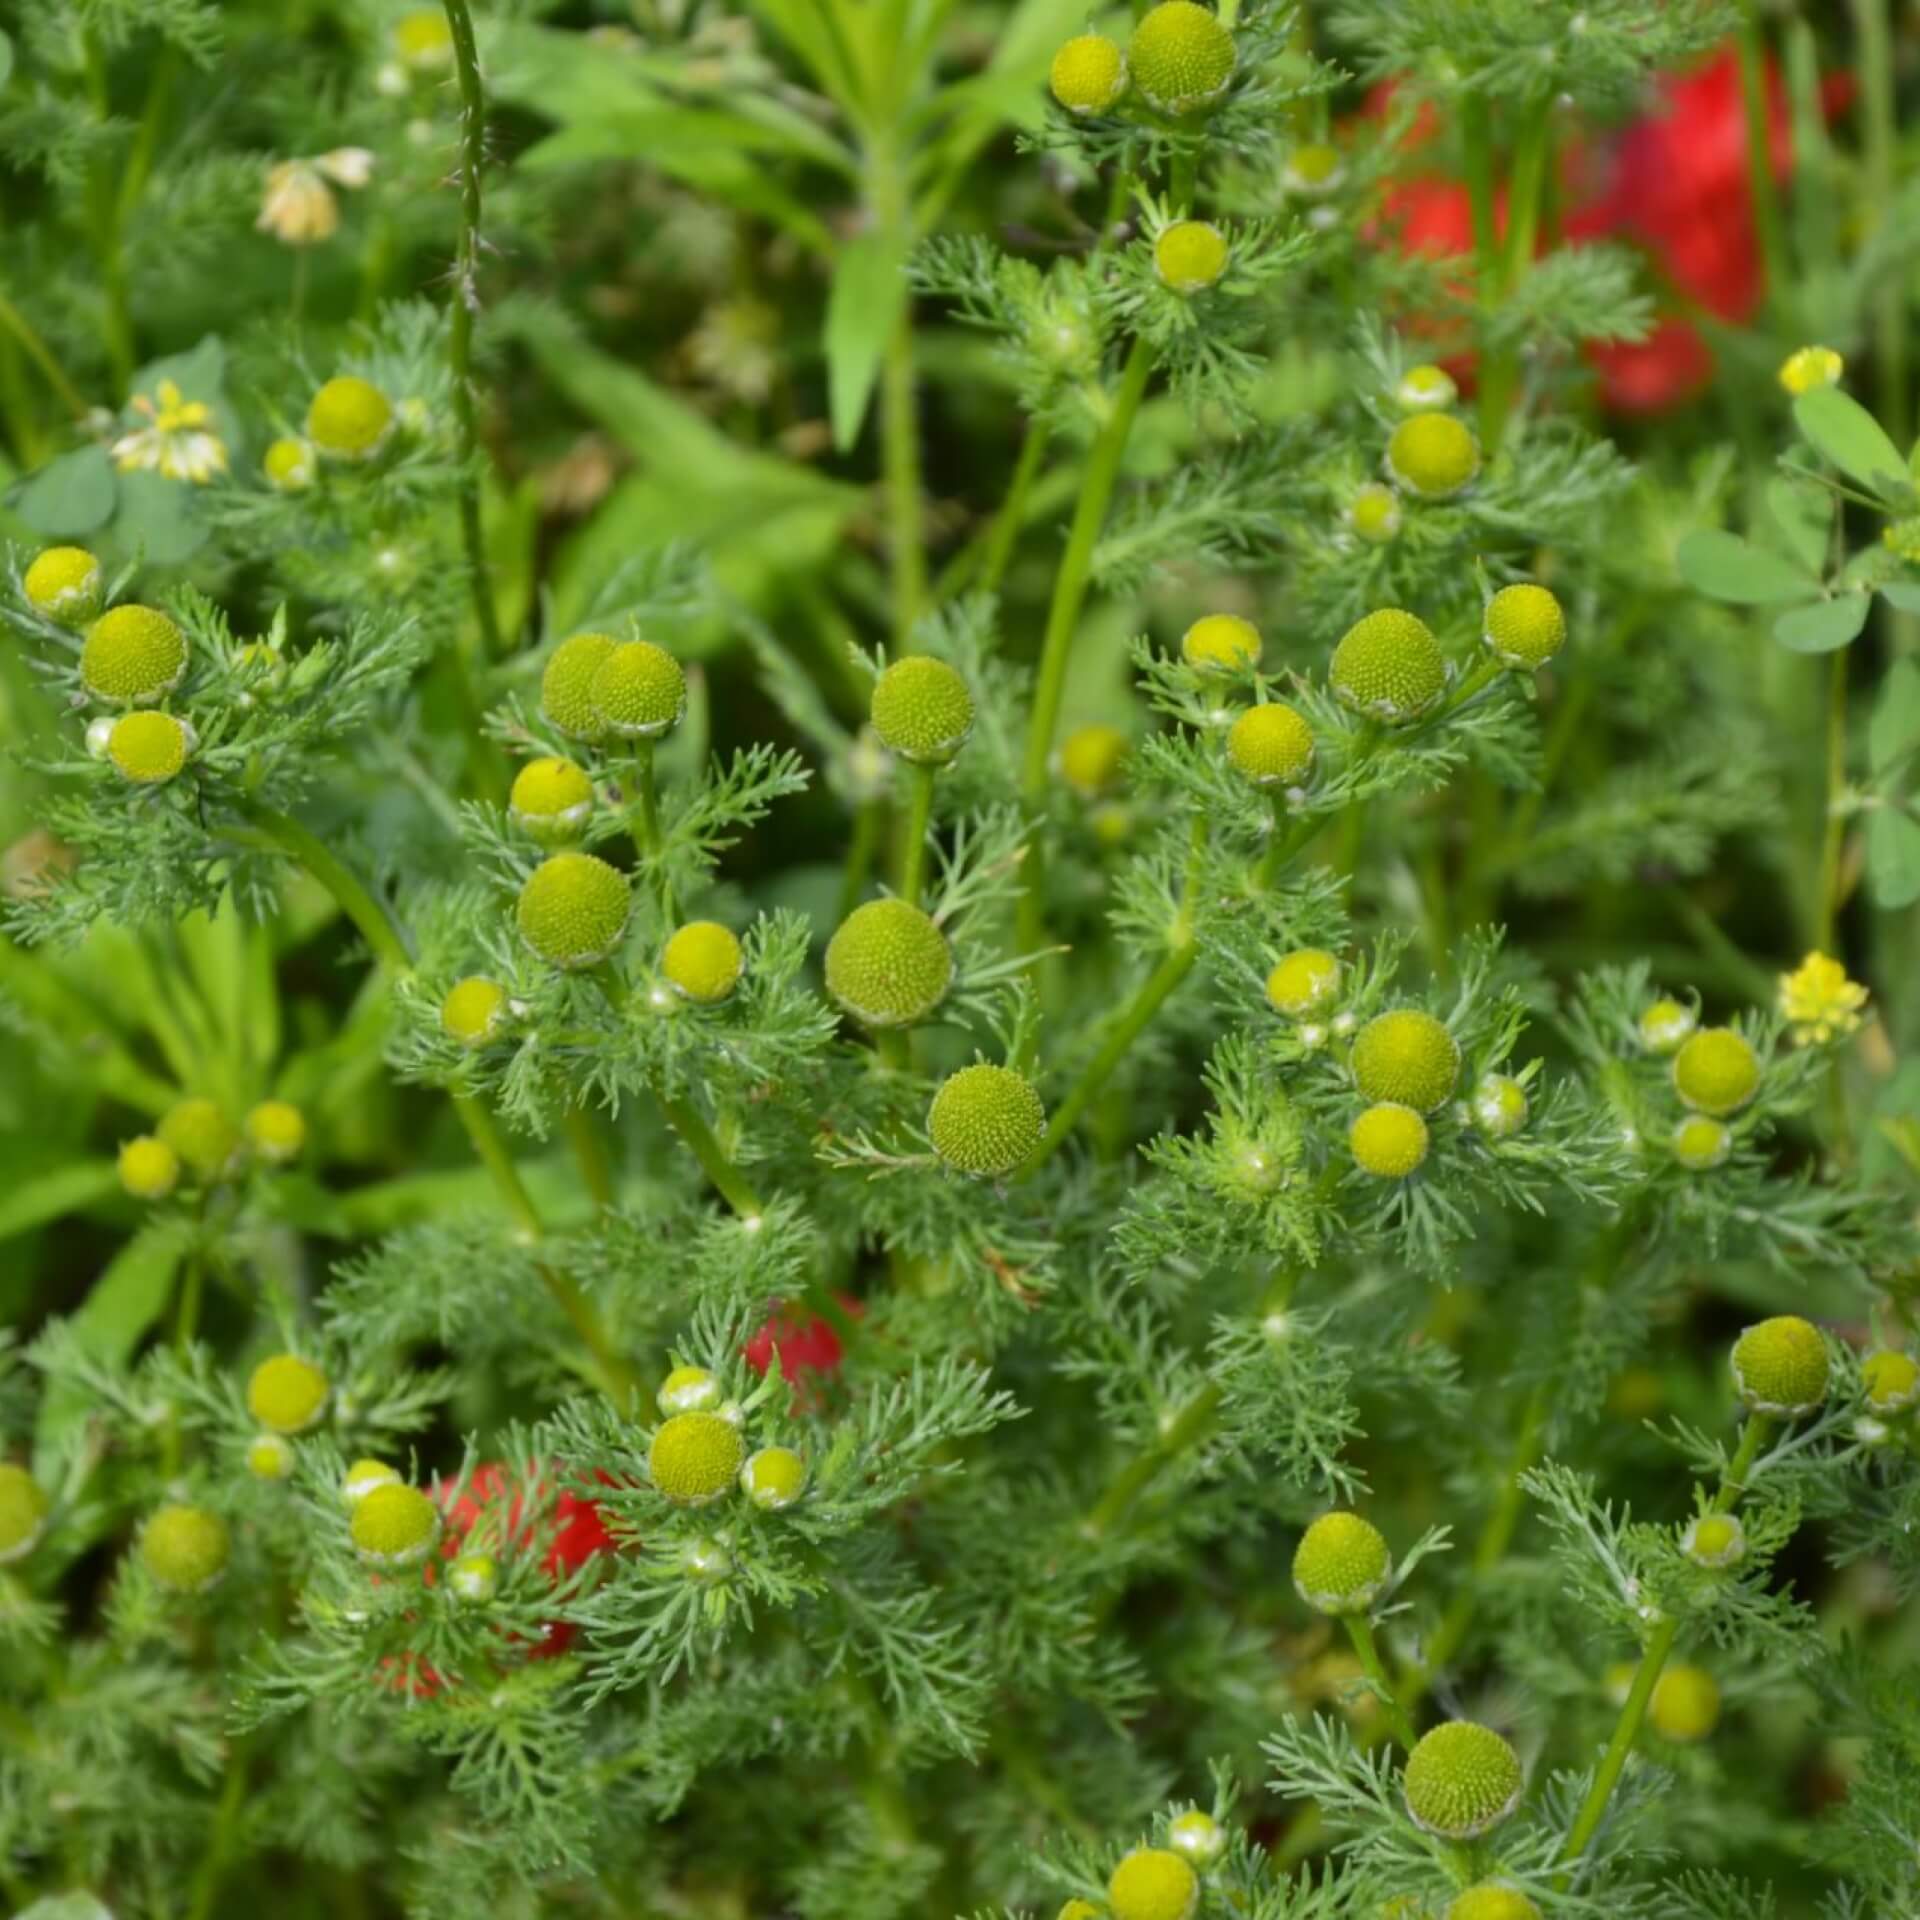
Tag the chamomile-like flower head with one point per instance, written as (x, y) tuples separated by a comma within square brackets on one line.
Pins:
[(276, 1131), (1700, 1143), (1092, 759), (1891, 1380), (638, 691), (695, 1457), (888, 964), (1271, 745), (1190, 255), (1714, 1540), (1153, 1883), (1716, 1071), (573, 909), (1461, 1780), (1303, 982), (1524, 626), (688, 1390), (201, 1135), (149, 749), (1408, 1056), (394, 1525), (922, 710), (703, 962), (1181, 57), (1665, 1025), (185, 1548), (1388, 1141), (288, 464), (1433, 455), (773, 1478), (566, 685), (1781, 1366), (1492, 1901), (65, 584), (1221, 643), (1341, 1564), (985, 1120), (1426, 388), (1088, 74), (149, 1169), (1499, 1106), (474, 1011), (133, 656), (1197, 1835), (1389, 667), (349, 418), (1373, 513), (287, 1394), (552, 799), (1685, 1704)]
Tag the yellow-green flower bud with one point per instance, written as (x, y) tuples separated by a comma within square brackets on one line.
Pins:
[(1088, 74), (134, 655), (573, 909), (1666, 1024), (474, 1578), (1461, 1780), (276, 1130), (1891, 1380), (24, 1507), (1524, 626), (688, 1390), (922, 710), (349, 418), (1303, 982), (150, 749), (1491, 1901), (288, 465), (1700, 1143), (287, 1394), (474, 1011), (1078, 1910), (1181, 57), (703, 962), (1408, 1057), (1714, 1540), (551, 799), (1809, 368), (363, 1477), (1374, 513), (1716, 1071), (423, 39), (1388, 1141), (394, 1525), (149, 1168), (184, 1549), (566, 685), (1389, 667), (1433, 455), (695, 1458), (1091, 759), (888, 964), (1499, 1106), (638, 691), (1685, 1704), (64, 584), (1221, 643), (1271, 745), (1190, 256), (1426, 389), (985, 1120), (269, 1457), (1197, 1835), (774, 1478), (200, 1135), (1152, 1883), (1313, 171), (1780, 1366), (1341, 1564)]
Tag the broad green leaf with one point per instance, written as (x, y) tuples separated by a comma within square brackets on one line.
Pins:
[(41, 1197), (1894, 731), (1847, 434), (868, 297), (71, 495), (1804, 514), (1825, 625), (1904, 594), (1893, 857), (158, 519), (65, 1906), (1726, 567), (6, 58)]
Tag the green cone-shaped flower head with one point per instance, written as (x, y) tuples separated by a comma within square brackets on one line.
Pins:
[(1181, 57), (1341, 1564), (1780, 1366), (888, 964), (1461, 1780), (922, 710), (985, 1120), (1389, 667), (133, 656), (695, 1458), (1407, 1056), (573, 909)]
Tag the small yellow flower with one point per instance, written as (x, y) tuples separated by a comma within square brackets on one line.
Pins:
[(1820, 1001), (177, 440), (1810, 368)]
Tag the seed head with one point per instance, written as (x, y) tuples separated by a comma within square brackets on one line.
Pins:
[(1181, 57), (1091, 759), (551, 800), (134, 656), (1809, 368), (888, 964), (64, 584), (1089, 74), (394, 1525), (638, 691), (1407, 1056), (703, 962), (1780, 1366), (1491, 1901), (1389, 667), (1151, 1883), (185, 1549), (1433, 455), (1197, 1835), (269, 1457), (773, 1478), (287, 1394), (149, 1168), (363, 1477), (1685, 1705), (985, 1120), (1426, 389), (1714, 1540), (474, 1578), (922, 710), (1701, 1143), (566, 685), (1461, 1780), (1341, 1564), (1388, 1141), (573, 910), (1891, 1380), (1221, 642), (1374, 513), (1716, 1071), (1271, 745), (350, 418), (695, 1458), (474, 1011), (1499, 1106), (1190, 256), (24, 1507), (276, 1130), (1303, 982), (1666, 1024), (688, 1390), (149, 749), (201, 1136), (1524, 626), (288, 465)]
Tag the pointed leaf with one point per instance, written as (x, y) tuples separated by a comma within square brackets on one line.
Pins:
[(1726, 567), (1893, 858), (1848, 435), (869, 294), (1824, 626)]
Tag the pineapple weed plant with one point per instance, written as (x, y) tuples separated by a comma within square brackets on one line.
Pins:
[(911, 1010)]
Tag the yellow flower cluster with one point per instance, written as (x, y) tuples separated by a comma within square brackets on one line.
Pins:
[(1820, 1001)]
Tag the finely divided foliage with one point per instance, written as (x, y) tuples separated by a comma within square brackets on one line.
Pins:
[(535, 1384)]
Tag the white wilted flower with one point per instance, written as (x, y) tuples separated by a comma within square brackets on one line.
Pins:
[(177, 440), (299, 207)]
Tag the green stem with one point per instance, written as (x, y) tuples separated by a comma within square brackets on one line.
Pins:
[(375, 925), (914, 842), (1834, 827), (590, 1154), (648, 840), (1627, 1727), (1187, 1428), (466, 299), (982, 563), (1532, 157), (116, 321), (1875, 72), (17, 324), (1360, 1632), (728, 1180), (900, 459), (226, 1821), (1751, 52)]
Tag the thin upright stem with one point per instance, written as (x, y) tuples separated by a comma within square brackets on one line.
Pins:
[(731, 1184), (1012, 516), (1874, 70), (900, 460), (1186, 1429), (36, 350), (1751, 53), (648, 840), (915, 832), (591, 1156), (1360, 1632), (350, 894), (466, 302), (1834, 826)]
